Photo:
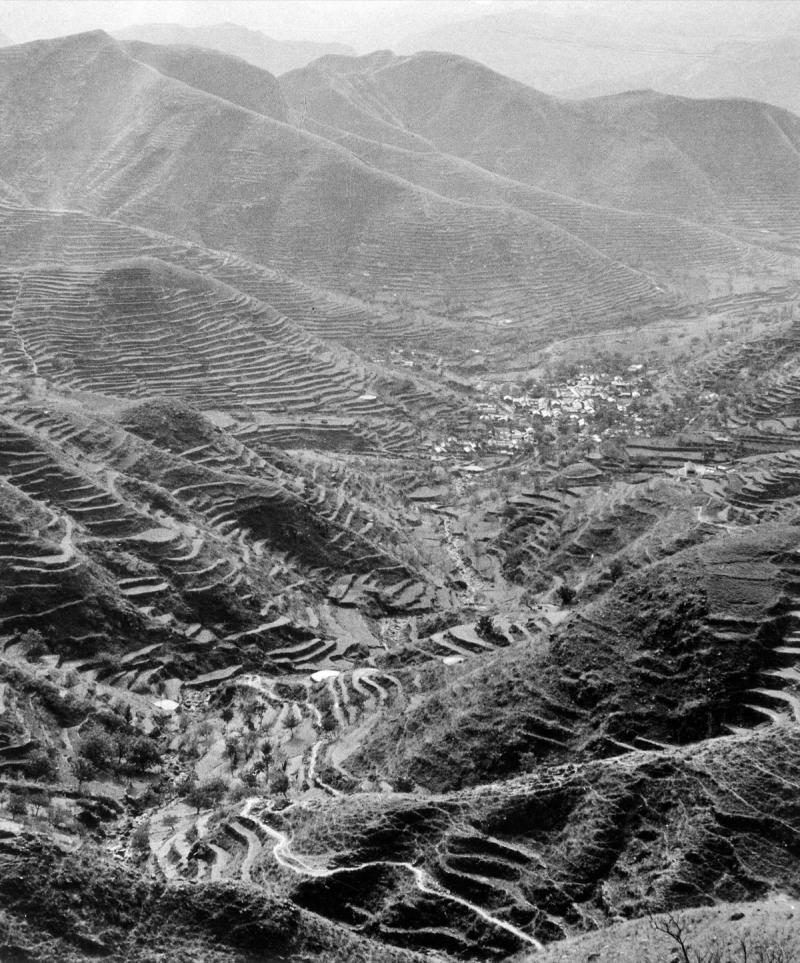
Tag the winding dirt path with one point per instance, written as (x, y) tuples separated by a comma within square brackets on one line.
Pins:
[(284, 856)]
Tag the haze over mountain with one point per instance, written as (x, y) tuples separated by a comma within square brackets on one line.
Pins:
[(605, 48), (768, 70), (276, 56)]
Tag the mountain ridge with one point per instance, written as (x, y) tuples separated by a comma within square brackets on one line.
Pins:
[(566, 147)]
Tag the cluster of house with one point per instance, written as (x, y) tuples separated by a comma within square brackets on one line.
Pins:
[(590, 403), (586, 394)]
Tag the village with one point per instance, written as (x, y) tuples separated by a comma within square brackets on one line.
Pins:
[(564, 416)]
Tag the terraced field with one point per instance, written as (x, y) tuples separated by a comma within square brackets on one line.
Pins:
[(138, 330), (177, 540)]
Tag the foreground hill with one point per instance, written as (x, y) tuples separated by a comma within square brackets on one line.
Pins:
[(105, 331), (276, 56), (729, 162)]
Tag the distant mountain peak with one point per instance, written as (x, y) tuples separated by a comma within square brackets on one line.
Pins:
[(257, 48)]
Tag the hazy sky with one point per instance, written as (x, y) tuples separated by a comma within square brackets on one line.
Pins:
[(364, 22), (370, 24)]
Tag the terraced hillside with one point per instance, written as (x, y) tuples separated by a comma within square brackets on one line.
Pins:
[(141, 328), (32, 236), (249, 621), (173, 528), (280, 381), (665, 249)]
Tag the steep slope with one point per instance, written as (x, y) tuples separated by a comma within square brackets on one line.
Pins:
[(276, 56), (215, 922), (560, 850), (322, 634), (706, 160), (216, 73), (164, 521)]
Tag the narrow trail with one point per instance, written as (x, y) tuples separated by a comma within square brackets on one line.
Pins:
[(455, 552), (454, 547), (13, 326), (283, 855)]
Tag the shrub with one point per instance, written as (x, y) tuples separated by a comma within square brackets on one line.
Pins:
[(18, 804), (279, 783), (616, 569), (566, 594), (140, 839), (142, 752), (206, 795), (238, 790), (328, 722), (41, 765), (34, 645), (84, 770), (98, 747)]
